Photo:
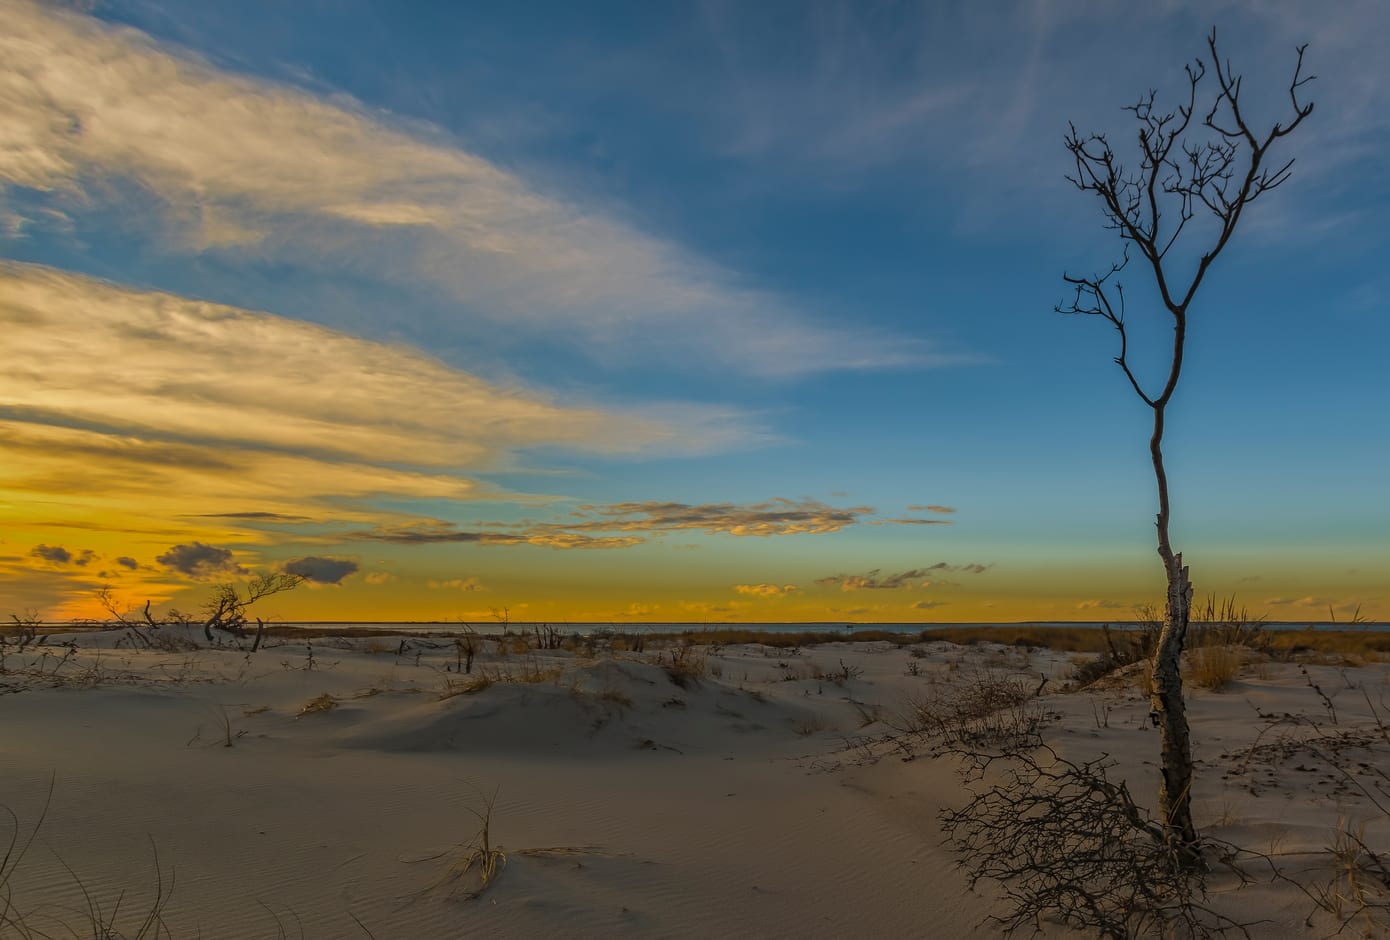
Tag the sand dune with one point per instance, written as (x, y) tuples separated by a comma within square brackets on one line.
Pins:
[(328, 790)]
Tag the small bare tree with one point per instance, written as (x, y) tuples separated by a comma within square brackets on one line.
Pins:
[(1211, 170), (227, 609)]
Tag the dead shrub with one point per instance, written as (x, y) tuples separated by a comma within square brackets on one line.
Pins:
[(685, 665), (985, 709), (1062, 841)]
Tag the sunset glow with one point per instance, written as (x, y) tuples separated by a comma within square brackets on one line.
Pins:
[(699, 315)]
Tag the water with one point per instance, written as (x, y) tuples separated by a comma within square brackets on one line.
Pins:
[(833, 626)]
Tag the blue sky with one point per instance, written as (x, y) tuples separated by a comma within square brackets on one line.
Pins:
[(476, 267)]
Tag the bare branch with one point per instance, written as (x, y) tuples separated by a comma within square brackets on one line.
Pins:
[(1092, 299)]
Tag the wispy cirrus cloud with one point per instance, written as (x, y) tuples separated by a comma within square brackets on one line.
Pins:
[(169, 368), (238, 165), (947, 94)]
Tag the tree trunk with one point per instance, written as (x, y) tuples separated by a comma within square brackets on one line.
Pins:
[(1170, 714), (1167, 709)]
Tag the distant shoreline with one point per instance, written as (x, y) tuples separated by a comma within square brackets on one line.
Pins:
[(663, 626)]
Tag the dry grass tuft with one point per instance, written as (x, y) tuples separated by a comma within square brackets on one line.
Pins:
[(1215, 667), (321, 703), (809, 726), (477, 857), (615, 697), (465, 685), (529, 671)]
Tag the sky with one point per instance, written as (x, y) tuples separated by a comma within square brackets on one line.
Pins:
[(699, 311)]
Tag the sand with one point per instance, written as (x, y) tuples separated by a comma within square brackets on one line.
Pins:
[(775, 793)]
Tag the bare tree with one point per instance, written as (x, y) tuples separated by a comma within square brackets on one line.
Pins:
[(227, 609), (1209, 170)]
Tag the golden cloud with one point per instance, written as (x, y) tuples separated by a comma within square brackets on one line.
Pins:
[(88, 354), (457, 584), (766, 590)]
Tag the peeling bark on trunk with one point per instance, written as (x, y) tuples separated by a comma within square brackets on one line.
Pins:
[(1168, 710), (1169, 713)]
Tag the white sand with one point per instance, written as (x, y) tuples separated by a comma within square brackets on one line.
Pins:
[(757, 801)]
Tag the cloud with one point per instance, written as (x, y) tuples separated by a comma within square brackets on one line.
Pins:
[(321, 570), (910, 521), (931, 508), (379, 577), (704, 607), (915, 577), (875, 580), (174, 369), (766, 590), (1101, 605), (53, 554), (199, 421), (947, 88), (241, 166), (125, 561), (1312, 602), (929, 605), (445, 533), (974, 568), (200, 561), (776, 516), (457, 584), (58, 555)]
